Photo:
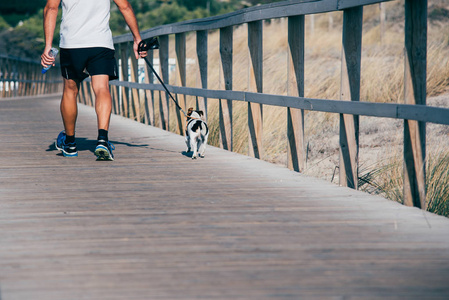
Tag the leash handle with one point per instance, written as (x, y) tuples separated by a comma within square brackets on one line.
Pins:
[(152, 44)]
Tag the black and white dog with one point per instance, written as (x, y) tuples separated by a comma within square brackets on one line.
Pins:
[(196, 132)]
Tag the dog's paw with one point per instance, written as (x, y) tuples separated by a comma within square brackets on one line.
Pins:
[(202, 155), (194, 157)]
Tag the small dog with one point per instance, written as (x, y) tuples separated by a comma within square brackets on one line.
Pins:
[(196, 132)]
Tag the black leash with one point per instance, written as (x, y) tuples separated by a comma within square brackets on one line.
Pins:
[(152, 44)]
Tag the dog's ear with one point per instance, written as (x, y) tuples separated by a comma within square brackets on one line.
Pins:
[(200, 112), (189, 112)]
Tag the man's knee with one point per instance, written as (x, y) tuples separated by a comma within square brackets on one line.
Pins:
[(100, 84), (71, 86)]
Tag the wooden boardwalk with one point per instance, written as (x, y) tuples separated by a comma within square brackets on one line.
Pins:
[(156, 225)]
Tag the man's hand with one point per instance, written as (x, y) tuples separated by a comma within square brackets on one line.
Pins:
[(46, 59), (138, 54)]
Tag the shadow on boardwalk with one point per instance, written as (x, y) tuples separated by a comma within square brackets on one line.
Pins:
[(85, 144)]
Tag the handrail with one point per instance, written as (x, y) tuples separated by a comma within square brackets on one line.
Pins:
[(267, 11), (20, 59), (422, 113)]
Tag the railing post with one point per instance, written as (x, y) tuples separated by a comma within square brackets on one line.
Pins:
[(180, 47), (26, 87), (295, 87), (225, 109), (415, 93), (255, 110), (114, 90), (135, 103), (20, 78), (124, 66), (164, 71), (149, 94), (34, 84), (9, 77), (16, 77), (202, 54), (350, 90)]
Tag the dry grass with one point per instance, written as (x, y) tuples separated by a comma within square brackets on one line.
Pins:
[(381, 77), (385, 178)]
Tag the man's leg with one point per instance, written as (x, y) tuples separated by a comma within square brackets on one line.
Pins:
[(103, 108), (69, 107), (103, 101), (69, 112)]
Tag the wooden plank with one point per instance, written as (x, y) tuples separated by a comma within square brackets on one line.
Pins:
[(345, 4), (149, 94), (124, 54), (27, 83), (22, 74), (252, 14), (135, 102), (3, 73), (382, 8), (202, 56), (115, 93), (295, 73), (431, 114), (350, 90), (89, 93), (255, 110), (181, 71), (37, 83), (164, 71), (415, 94), (225, 81), (254, 230), (82, 95), (8, 77)]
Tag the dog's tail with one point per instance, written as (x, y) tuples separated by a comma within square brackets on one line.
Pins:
[(204, 129)]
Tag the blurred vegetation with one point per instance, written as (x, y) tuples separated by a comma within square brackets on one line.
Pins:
[(21, 22), (15, 11)]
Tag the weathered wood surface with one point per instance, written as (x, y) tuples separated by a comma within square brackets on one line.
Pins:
[(351, 59), (154, 224), (251, 14)]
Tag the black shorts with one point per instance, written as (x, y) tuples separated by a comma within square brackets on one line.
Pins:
[(79, 63)]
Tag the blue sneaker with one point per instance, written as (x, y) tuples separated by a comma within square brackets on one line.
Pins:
[(69, 149), (103, 151)]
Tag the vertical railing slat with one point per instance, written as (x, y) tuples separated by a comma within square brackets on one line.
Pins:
[(180, 49), (350, 90), (135, 103), (202, 55), (149, 94), (295, 117), (225, 108), (164, 71), (124, 71), (415, 93), (114, 90), (255, 110)]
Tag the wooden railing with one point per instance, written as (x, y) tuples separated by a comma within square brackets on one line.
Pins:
[(23, 77), (128, 100)]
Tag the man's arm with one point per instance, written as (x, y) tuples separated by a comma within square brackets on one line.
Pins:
[(50, 15), (130, 18)]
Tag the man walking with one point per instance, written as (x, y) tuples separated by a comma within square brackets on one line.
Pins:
[(86, 49)]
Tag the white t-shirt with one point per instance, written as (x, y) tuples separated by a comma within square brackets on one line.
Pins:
[(85, 23)]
